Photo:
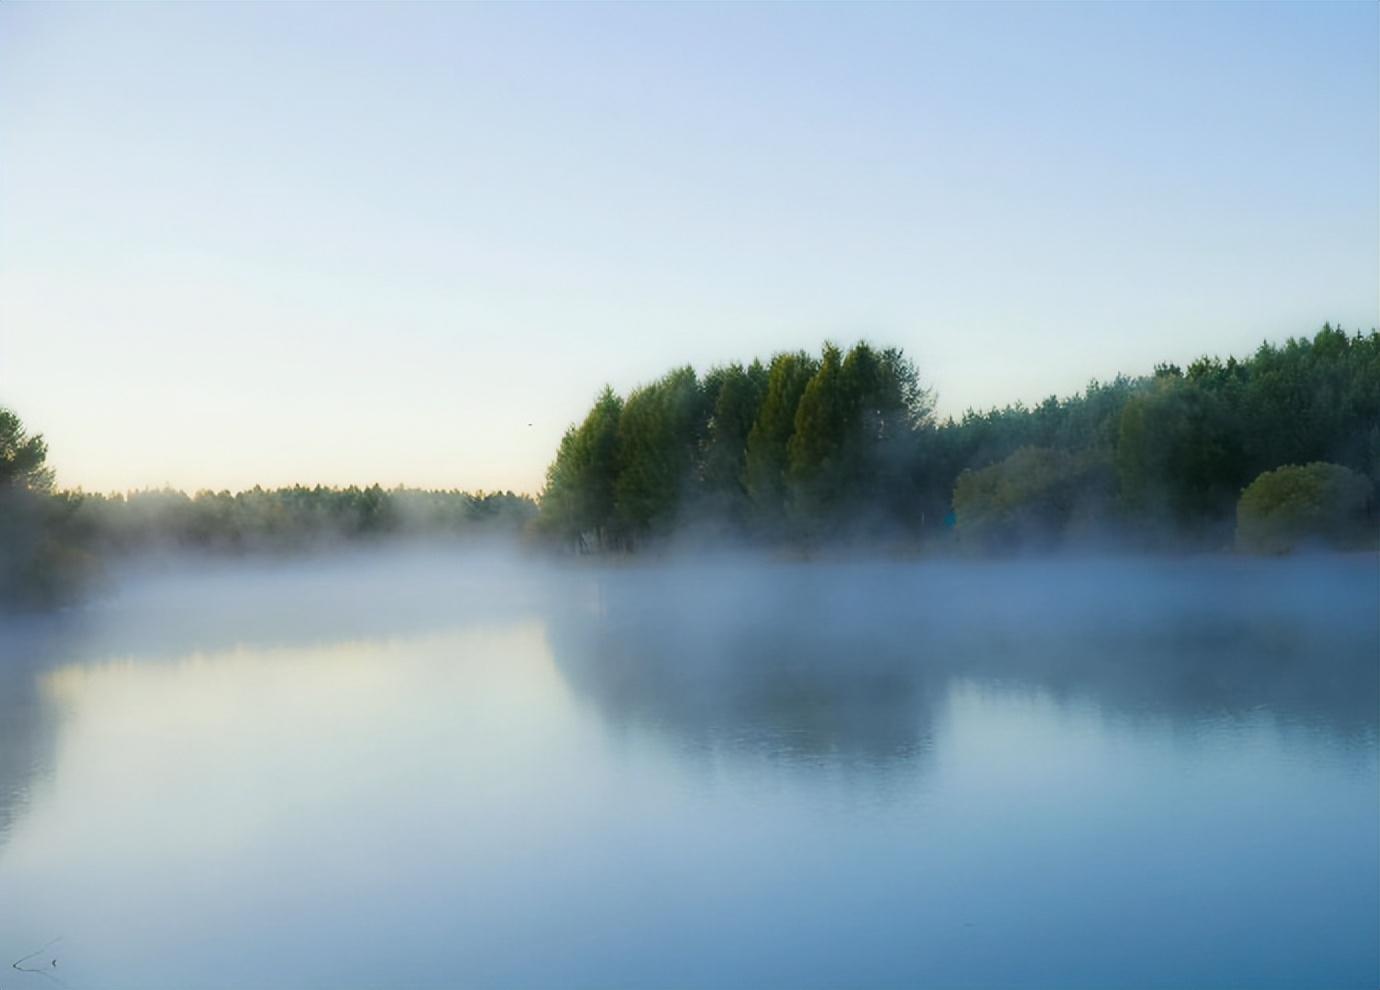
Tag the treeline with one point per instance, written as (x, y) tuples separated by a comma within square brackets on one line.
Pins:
[(803, 450), (293, 518), (1271, 452), (53, 541)]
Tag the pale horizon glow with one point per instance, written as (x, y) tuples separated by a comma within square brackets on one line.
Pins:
[(266, 244)]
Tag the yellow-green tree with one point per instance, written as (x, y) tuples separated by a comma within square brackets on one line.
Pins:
[(1297, 506)]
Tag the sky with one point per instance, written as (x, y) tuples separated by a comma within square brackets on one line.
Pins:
[(278, 243)]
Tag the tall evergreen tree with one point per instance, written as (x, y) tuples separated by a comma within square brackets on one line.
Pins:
[(767, 461), (734, 394), (816, 452), (659, 435), (579, 501)]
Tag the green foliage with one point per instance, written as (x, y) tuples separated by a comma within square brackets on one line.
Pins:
[(1313, 400), (22, 457), (37, 564), (1316, 504), (734, 394), (1179, 455), (579, 502), (816, 457), (1189, 442), (659, 436), (854, 427), (847, 445), (886, 406), (844, 445), (766, 459), (1037, 498)]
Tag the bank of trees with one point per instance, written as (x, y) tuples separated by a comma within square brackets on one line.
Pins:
[(775, 451), (805, 449)]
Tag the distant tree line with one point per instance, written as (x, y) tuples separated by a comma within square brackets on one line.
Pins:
[(52, 541), (804, 450), (293, 518)]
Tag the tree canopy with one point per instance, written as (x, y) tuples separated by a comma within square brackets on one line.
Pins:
[(1295, 506), (23, 458), (778, 449), (845, 444)]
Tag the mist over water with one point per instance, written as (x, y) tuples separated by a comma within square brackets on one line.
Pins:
[(481, 769)]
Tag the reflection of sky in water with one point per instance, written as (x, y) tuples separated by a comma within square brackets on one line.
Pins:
[(795, 776)]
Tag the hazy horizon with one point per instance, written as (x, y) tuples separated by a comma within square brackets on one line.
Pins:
[(250, 245)]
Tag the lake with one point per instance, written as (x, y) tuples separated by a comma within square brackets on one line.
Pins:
[(429, 769)]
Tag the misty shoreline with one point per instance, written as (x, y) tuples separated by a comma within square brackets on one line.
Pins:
[(134, 569), (828, 458)]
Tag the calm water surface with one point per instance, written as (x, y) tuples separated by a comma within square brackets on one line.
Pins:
[(430, 771)]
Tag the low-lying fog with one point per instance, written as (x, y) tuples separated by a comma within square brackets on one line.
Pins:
[(417, 769)]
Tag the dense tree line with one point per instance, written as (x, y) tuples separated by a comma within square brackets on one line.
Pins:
[(777, 451), (808, 449)]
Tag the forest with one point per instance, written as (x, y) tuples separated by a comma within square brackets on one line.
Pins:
[(1272, 453)]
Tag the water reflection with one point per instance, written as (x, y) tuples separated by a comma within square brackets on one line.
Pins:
[(426, 773), (806, 663), (169, 610), (855, 661), (28, 724)]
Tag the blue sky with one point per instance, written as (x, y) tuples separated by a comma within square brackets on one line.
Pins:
[(408, 243)]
